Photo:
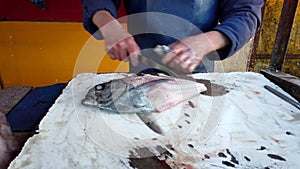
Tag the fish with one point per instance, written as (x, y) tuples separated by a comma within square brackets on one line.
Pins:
[(141, 94)]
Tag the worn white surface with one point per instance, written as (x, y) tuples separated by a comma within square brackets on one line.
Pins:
[(246, 125)]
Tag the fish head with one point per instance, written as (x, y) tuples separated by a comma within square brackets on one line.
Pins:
[(104, 95), (98, 95)]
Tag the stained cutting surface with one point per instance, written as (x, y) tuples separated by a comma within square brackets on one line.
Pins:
[(244, 127)]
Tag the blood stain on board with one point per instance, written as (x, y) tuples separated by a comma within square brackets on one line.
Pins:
[(233, 158), (212, 89), (277, 141), (149, 160), (247, 158), (182, 165), (261, 148), (289, 133), (191, 145), (187, 115), (256, 92), (191, 104), (227, 163), (276, 157), (220, 154)]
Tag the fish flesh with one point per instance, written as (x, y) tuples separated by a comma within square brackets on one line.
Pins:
[(141, 94)]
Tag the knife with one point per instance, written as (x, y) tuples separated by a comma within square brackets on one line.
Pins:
[(159, 52)]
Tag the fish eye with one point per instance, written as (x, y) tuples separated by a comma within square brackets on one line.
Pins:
[(98, 87)]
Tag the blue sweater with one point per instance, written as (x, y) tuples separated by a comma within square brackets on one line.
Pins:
[(162, 22)]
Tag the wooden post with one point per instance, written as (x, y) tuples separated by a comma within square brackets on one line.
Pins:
[(283, 34), (253, 50)]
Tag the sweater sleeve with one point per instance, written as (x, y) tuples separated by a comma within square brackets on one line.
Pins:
[(239, 20), (90, 7)]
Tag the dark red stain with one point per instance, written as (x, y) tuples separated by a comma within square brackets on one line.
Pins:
[(261, 148), (56, 10), (227, 163), (289, 133), (212, 89), (191, 145), (148, 163), (256, 92), (206, 156), (187, 115), (181, 165), (147, 160), (276, 157), (247, 158), (220, 154), (233, 158), (277, 141), (191, 104)]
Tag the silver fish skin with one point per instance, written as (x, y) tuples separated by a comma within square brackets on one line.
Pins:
[(141, 94), (119, 96)]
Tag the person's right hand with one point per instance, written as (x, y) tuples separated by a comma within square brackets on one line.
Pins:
[(119, 44)]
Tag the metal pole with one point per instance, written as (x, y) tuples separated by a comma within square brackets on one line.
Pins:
[(253, 50), (283, 34)]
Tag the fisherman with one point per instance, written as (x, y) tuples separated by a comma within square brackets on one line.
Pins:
[(198, 32)]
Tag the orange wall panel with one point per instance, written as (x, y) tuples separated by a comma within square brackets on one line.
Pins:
[(44, 53)]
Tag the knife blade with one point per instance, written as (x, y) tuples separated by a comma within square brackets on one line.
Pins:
[(159, 52)]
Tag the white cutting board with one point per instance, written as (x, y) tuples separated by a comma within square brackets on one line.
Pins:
[(248, 127)]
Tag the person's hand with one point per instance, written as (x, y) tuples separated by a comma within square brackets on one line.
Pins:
[(119, 44), (186, 54)]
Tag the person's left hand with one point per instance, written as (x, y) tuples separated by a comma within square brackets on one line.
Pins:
[(186, 54)]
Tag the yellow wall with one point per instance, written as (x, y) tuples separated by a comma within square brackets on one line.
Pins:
[(267, 37), (44, 53), (269, 28)]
